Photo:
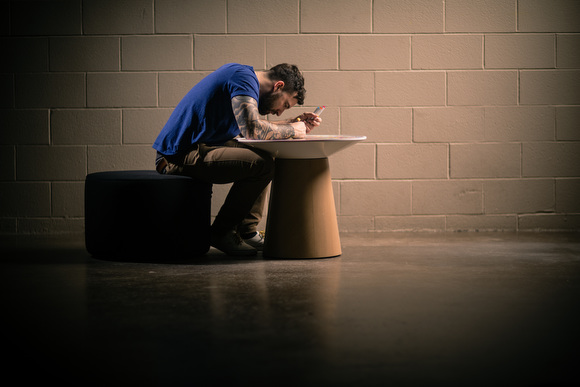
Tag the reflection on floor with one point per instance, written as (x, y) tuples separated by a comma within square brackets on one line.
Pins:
[(463, 309)]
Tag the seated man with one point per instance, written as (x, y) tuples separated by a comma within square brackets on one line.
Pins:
[(198, 141)]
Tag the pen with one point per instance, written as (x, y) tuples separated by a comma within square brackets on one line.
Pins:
[(319, 110)]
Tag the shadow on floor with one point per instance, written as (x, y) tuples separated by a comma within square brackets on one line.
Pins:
[(481, 309)]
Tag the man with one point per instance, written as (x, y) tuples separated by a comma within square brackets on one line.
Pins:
[(198, 140)]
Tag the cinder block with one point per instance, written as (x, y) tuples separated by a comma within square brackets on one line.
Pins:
[(551, 159), (355, 162), (84, 53), (142, 126), (568, 54), (447, 197), (549, 222), (567, 194), (45, 18), (410, 16), (27, 127), (482, 87), (157, 52), (258, 16), (8, 226), (410, 88), (118, 158), (336, 194), (122, 90), (519, 51), (555, 87), (330, 121), (50, 162), (344, 16), (334, 88), (50, 90), (485, 160), (567, 123), (40, 226), (37, 201), (447, 52), (117, 17), (24, 55), (362, 198), (480, 16), (481, 223), (355, 223), (68, 199), (518, 196), (448, 124), (7, 90), (549, 15), (412, 161), (7, 163), (520, 123), (85, 127), (174, 86), (294, 49), (375, 52), (177, 16), (5, 15), (213, 51), (378, 124), (410, 223)]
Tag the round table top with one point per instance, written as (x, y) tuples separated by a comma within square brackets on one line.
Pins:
[(311, 147)]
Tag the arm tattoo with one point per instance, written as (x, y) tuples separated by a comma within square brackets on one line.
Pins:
[(248, 119)]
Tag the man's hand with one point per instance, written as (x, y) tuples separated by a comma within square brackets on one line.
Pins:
[(300, 129), (311, 120)]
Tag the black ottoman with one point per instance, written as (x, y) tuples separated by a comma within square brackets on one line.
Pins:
[(142, 214)]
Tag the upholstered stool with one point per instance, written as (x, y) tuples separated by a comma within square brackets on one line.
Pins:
[(137, 214)]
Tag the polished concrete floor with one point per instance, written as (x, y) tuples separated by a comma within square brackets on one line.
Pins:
[(462, 309)]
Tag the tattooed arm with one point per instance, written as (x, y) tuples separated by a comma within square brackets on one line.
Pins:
[(248, 119)]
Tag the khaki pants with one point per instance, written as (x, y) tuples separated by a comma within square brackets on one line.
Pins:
[(250, 171)]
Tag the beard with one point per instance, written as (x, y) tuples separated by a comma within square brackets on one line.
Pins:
[(267, 102)]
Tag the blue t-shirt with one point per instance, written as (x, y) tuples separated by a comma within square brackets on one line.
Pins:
[(205, 114)]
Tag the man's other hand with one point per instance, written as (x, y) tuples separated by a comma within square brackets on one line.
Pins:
[(300, 129)]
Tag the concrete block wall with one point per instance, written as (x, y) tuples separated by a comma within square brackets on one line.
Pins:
[(471, 107)]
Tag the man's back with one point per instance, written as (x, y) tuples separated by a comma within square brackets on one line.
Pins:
[(205, 114)]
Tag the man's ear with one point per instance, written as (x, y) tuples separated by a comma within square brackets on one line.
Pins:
[(279, 85)]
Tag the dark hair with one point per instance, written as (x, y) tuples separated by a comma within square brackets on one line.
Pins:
[(292, 78)]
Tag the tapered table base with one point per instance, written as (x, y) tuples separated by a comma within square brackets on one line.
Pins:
[(301, 215)]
